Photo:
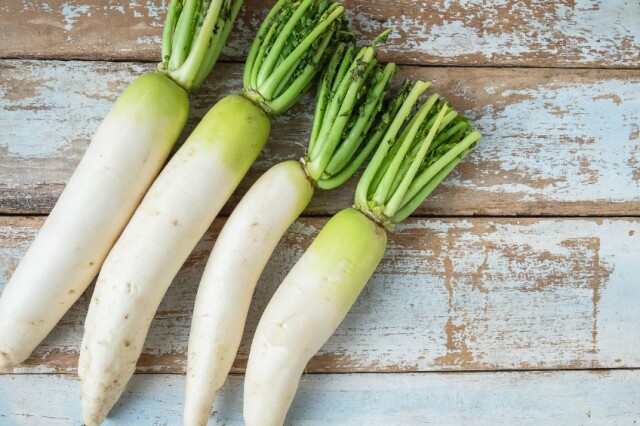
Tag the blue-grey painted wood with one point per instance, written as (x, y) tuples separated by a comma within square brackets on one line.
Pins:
[(460, 32), (450, 294), (515, 398), (556, 142)]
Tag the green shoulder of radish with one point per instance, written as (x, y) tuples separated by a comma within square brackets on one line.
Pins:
[(124, 157), (418, 149), (347, 125), (292, 45)]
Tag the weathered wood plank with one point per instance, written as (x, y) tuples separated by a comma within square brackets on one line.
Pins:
[(523, 398), (557, 142), (450, 294), (459, 32)]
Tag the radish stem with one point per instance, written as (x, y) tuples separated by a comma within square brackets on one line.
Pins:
[(290, 48), (194, 34)]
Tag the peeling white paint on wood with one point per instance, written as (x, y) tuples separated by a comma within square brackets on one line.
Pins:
[(71, 13), (460, 32), (559, 142), (450, 294), (523, 398), (579, 144)]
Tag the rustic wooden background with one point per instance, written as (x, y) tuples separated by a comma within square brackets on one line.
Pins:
[(512, 295)]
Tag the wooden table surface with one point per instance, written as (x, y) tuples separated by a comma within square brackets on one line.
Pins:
[(511, 296)]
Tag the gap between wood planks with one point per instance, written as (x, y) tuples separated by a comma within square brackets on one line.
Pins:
[(400, 63), (595, 370), (556, 398), (420, 216)]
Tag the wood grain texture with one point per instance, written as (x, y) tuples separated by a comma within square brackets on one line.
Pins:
[(556, 142), (572, 33), (450, 294), (531, 398), (556, 297)]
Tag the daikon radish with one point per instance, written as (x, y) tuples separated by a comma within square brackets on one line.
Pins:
[(288, 53), (124, 157), (320, 289)]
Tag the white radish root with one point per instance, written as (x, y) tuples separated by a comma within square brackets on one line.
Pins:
[(124, 157), (238, 258), (306, 309), (174, 215)]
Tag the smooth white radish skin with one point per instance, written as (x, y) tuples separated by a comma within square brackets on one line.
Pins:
[(124, 157), (306, 309), (173, 216), (240, 254)]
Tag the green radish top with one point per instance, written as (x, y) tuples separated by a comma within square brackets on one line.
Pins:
[(294, 42), (194, 33), (417, 152), (349, 101)]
